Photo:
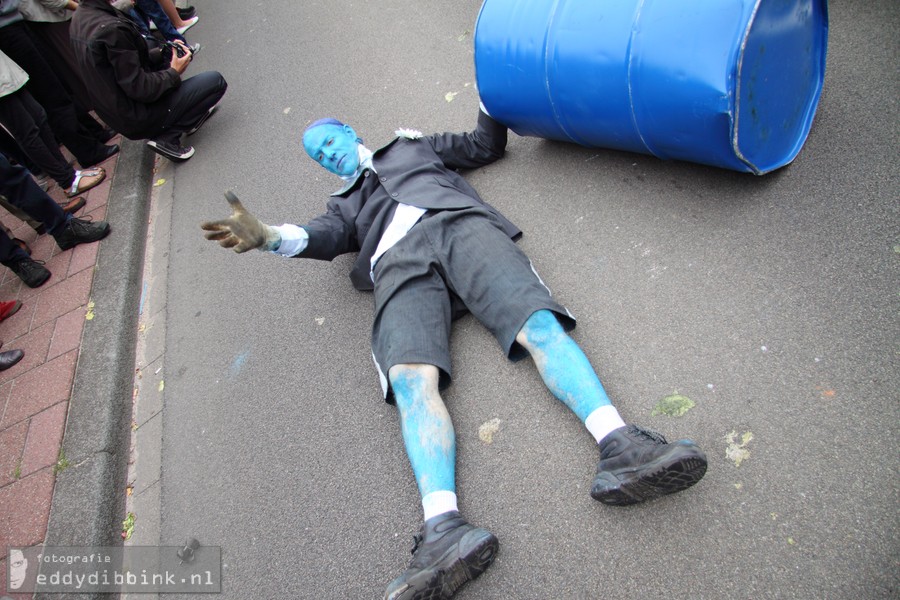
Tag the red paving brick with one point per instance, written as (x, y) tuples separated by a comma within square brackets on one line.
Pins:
[(62, 298), (27, 504), (34, 394), (35, 345), (100, 194), (93, 203), (98, 213), (40, 388), (5, 390), (58, 266), (67, 333), (42, 248), (45, 432), (83, 256), (19, 323), (12, 445), (26, 293), (9, 289)]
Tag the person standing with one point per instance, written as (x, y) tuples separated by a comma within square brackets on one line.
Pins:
[(26, 122), (19, 43), (20, 189)]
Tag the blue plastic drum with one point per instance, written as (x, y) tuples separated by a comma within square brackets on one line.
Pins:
[(728, 83)]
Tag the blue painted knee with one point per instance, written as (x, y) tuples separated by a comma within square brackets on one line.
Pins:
[(541, 328)]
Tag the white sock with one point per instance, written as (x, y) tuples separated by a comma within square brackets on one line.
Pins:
[(437, 503), (602, 421)]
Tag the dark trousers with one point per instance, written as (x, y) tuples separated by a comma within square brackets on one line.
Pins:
[(189, 103), (26, 121), (54, 43), (17, 186), (18, 42)]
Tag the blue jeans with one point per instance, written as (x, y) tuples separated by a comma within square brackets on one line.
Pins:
[(147, 10)]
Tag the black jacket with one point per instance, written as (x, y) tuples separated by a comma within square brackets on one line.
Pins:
[(123, 76), (420, 172)]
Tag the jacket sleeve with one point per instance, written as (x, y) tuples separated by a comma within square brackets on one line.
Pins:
[(473, 149), (136, 82), (330, 235)]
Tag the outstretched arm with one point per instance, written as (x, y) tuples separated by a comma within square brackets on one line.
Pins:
[(241, 231), (323, 238)]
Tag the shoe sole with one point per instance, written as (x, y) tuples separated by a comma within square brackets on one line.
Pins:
[(673, 472), (203, 119), (169, 155), (476, 551)]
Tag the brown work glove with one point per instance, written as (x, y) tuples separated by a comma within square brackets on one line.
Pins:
[(241, 231)]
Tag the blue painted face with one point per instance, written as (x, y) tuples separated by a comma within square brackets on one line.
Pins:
[(335, 147)]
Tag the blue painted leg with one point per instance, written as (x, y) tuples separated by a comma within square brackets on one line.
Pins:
[(427, 430), (563, 366)]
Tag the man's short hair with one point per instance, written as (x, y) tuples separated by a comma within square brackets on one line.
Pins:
[(320, 122), (327, 121)]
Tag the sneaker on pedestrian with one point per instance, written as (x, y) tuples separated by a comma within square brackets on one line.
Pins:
[(171, 151), (188, 24), (638, 465), (32, 272), (8, 309), (203, 119), (80, 231), (448, 552)]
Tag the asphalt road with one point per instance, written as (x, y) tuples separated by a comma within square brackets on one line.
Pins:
[(770, 301)]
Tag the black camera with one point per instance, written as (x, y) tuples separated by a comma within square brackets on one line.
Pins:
[(180, 50)]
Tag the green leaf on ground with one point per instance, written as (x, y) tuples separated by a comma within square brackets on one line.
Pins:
[(674, 405), (128, 526)]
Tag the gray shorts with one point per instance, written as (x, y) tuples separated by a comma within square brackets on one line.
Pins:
[(450, 262)]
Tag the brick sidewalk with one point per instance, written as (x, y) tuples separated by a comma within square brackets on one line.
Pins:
[(34, 394)]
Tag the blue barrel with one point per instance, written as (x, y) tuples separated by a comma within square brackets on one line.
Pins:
[(728, 83)]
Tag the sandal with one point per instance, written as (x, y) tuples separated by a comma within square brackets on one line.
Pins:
[(85, 180)]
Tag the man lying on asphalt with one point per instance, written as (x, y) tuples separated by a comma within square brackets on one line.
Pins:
[(432, 249)]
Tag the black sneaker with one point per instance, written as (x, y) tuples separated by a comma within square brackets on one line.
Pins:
[(448, 553), (78, 231), (32, 272), (171, 151), (638, 465)]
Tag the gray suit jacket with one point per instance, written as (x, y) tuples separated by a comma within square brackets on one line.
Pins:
[(420, 172)]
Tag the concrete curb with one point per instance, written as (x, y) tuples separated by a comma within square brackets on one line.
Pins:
[(89, 495)]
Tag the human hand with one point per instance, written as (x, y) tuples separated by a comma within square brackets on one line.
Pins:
[(241, 231), (180, 63)]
